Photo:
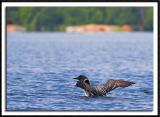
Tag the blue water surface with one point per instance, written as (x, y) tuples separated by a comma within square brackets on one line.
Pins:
[(40, 68)]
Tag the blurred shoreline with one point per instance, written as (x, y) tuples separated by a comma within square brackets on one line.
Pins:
[(88, 28)]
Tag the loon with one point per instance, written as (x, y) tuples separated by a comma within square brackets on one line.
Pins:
[(100, 90)]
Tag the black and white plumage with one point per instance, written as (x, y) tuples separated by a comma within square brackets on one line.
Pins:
[(100, 90)]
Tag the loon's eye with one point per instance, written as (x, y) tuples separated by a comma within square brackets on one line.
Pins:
[(86, 81)]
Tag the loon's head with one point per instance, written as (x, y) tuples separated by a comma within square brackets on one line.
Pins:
[(82, 81)]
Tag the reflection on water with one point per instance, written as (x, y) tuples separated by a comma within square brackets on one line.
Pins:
[(40, 68)]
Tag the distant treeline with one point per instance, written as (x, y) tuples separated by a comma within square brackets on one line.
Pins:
[(57, 18)]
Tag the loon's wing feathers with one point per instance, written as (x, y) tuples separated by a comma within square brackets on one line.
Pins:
[(112, 84)]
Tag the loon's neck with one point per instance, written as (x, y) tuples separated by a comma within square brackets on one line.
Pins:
[(87, 90), (86, 93)]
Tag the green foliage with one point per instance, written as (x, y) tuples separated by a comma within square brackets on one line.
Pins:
[(148, 16), (57, 18)]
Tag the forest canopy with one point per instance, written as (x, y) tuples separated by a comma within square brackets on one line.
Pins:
[(57, 18)]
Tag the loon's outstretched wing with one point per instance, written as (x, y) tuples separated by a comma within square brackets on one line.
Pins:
[(112, 84)]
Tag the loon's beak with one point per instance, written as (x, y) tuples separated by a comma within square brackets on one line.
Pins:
[(75, 78)]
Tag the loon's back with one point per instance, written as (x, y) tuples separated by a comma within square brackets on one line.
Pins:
[(98, 90)]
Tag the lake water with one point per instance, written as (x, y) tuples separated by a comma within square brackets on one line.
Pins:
[(40, 68)]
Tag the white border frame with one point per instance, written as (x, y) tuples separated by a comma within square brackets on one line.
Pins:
[(82, 4)]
